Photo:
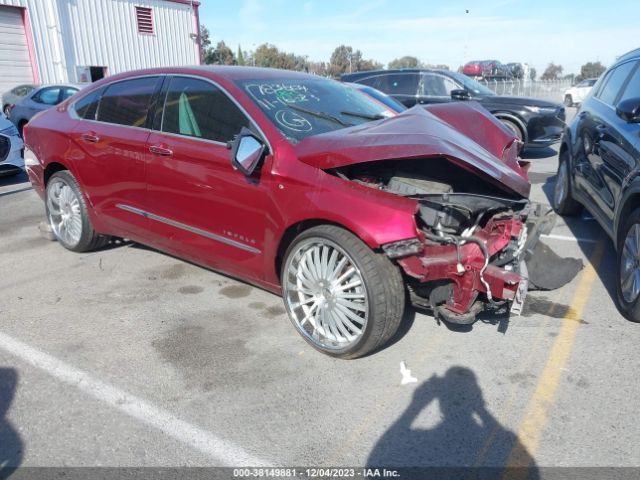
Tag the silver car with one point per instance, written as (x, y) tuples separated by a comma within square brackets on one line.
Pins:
[(11, 161), (13, 96), (38, 100)]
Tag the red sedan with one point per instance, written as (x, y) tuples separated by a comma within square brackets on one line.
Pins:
[(298, 184)]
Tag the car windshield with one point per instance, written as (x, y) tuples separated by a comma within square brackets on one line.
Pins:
[(472, 86), (303, 107)]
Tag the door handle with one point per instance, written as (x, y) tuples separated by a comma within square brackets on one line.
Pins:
[(160, 150), (90, 137)]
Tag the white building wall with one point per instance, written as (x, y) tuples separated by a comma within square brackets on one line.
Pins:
[(71, 33)]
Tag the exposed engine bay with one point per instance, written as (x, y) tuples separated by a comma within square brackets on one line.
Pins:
[(473, 235)]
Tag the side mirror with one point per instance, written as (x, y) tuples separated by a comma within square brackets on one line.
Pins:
[(460, 94), (246, 151), (629, 110)]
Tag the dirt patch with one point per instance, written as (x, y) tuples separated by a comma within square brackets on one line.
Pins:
[(190, 290)]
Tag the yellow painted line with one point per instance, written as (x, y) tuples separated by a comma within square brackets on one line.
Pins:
[(537, 412)]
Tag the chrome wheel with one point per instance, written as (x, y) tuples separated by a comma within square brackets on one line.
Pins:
[(560, 188), (630, 265), (325, 294), (63, 207)]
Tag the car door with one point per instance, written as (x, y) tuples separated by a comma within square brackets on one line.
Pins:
[(436, 88), (109, 145), (607, 142), (200, 207)]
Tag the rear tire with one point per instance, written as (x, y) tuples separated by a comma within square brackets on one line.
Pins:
[(628, 268), (563, 201), (68, 216), (342, 297)]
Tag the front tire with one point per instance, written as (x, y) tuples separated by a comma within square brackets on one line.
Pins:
[(563, 201), (628, 268), (68, 216), (513, 128), (343, 298)]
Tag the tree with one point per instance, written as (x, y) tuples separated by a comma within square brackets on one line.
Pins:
[(205, 42), (590, 70), (221, 55), (552, 72), (240, 56), (345, 60), (532, 73), (404, 62)]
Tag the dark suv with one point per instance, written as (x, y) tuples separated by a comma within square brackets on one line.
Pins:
[(537, 123), (599, 169)]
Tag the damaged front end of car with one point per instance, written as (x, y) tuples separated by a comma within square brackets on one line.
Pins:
[(474, 224), (471, 241)]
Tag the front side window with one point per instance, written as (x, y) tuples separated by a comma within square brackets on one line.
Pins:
[(197, 108), (614, 82), (127, 102), (48, 96), (303, 107), (68, 92), (632, 90), (437, 85)]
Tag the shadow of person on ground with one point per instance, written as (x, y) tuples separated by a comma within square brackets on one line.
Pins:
[(11, 448), (466, 441)]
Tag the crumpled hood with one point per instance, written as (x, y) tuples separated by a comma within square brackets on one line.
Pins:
[(451, 131)]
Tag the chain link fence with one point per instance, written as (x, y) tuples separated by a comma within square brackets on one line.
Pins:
[(552, 90)]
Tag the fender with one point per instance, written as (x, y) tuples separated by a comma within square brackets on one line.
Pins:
[(631, 189)]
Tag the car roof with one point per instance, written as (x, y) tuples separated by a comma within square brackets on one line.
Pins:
[(370, 73), (223, 71), (629, 55)]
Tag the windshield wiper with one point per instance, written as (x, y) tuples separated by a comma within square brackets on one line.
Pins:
[(315, 113), (366, 116)]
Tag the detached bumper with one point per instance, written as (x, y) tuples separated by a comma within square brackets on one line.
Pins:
[(453, 279)]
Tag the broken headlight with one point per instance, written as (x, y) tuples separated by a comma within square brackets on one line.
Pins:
[(402, 248)]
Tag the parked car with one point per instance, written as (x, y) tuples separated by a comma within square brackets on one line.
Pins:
[(516, 69), (486, 69), (576, 94), (13, 96), (11, 162), (297, 184), (38, 100), (598, 169), (537, 123)]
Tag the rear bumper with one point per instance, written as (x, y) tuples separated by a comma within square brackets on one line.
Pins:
[(443, 281)]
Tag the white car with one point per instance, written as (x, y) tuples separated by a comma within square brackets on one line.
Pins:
[(579, 92), (11, 161)]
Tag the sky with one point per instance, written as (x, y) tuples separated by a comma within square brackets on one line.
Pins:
[(451, 32)]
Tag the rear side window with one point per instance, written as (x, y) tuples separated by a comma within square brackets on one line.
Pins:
[(614, 82), (197, 108), (399, 84), (87, 106), (632, 90), (127, 103)]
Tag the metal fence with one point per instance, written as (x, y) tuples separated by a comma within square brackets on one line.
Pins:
[(552, 90)]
